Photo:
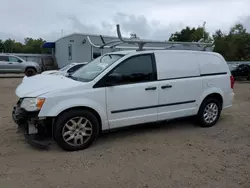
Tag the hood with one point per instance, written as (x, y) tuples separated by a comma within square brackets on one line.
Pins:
[(41, 84)]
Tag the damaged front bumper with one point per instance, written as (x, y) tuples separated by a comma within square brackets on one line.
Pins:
[(37, 131)]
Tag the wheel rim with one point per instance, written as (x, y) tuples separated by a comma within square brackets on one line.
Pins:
[(211, 112), (77, 131)]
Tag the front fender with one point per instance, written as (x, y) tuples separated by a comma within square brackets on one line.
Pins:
[(52, 108)]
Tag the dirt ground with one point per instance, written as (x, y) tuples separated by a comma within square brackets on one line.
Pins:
[(174, 154)]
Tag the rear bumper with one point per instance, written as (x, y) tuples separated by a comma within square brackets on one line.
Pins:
[(38, 132), (228, 100)]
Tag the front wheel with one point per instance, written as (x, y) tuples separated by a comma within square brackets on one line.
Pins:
[(76, 130), (209, 112)]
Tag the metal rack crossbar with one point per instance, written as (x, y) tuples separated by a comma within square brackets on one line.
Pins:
[(115, 44)]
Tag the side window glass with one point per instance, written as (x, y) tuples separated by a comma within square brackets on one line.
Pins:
[(135, 69), (13, 59), (4, 58)]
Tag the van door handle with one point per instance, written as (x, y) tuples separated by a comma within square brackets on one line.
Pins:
[(10, 63), (150, 88), (166, 86)]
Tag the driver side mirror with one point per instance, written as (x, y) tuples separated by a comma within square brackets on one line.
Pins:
[(113, 79), (19, 61)]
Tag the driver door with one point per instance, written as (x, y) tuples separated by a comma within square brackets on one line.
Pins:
[(14, 65), (3, 63), (134, 98)]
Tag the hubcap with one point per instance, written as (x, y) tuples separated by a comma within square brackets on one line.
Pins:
[(211, 112), (77, 131)]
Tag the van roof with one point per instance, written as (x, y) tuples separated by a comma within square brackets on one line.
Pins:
[(125, 52)]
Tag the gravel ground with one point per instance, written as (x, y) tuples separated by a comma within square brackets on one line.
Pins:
[(174, 154)]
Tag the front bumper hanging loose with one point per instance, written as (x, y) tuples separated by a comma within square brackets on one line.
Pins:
[(38, 132)]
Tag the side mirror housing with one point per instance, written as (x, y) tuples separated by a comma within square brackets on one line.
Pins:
[(113, 79)]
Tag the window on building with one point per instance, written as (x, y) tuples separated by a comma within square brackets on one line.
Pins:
[(70, 51)]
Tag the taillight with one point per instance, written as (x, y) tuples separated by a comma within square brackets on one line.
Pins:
[(232, 81)]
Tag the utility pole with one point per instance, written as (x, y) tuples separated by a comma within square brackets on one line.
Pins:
[(204, 29)]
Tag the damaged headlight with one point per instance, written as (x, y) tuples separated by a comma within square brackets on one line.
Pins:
[(32, 104)]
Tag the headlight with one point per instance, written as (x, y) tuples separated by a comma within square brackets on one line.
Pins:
[(32, 104)]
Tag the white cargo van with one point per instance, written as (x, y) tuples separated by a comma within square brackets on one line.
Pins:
[(124, 88)]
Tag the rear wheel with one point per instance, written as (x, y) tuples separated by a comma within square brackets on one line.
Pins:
[(30, 72), (209, 112), (76, 130)]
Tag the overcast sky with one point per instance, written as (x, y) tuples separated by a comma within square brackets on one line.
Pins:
[(147, 18)]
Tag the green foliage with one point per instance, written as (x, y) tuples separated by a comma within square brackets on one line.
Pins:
[(30, 46), (190, 35), (234, 46)]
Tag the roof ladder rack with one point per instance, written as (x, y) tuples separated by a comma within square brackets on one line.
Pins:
[(115, 44)]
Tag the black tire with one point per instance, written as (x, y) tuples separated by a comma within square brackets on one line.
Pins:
[(30, 72), (64, 118), (200, 116), (248, 77)]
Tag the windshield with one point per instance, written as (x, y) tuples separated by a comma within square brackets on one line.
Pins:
[(95, 67)]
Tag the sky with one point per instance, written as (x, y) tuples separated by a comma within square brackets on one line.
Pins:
[(152, 19)]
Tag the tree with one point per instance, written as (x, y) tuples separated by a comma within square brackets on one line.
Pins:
[(30, 46), (1, 46), (190, 35), (34, 45), (234, 46), (9, 45)]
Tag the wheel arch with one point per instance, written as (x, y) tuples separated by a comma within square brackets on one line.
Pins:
[(30, 67), (212, 92), (216, 96), (82, 108)]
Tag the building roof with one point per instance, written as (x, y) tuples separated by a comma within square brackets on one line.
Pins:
[(85, 34)]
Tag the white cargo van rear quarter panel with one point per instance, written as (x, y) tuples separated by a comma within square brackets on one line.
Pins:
[(216, 77)]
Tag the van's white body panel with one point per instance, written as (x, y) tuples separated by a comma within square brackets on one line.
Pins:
[(189, 73), (39, 84)]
